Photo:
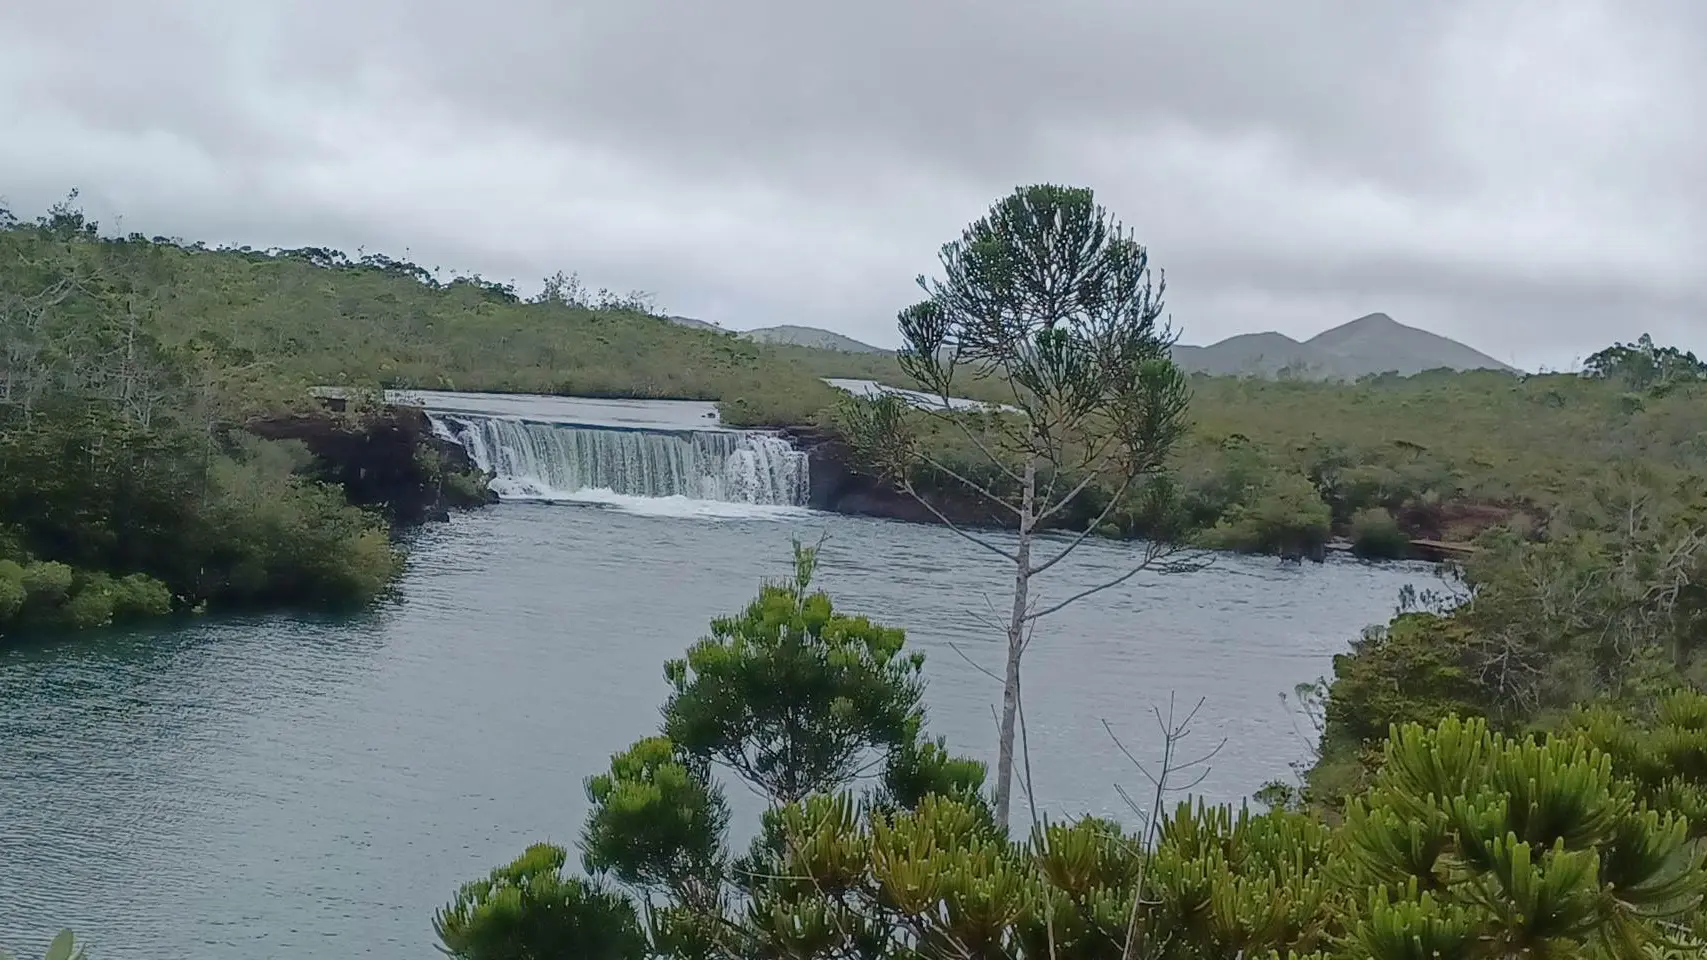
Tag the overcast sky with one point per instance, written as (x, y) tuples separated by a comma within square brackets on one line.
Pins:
[(1529, 176)]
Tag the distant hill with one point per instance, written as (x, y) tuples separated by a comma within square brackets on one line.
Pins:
[(811, 337), (696, 324), (1373, 344)]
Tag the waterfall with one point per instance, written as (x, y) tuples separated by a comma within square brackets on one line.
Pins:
[(552, 461)]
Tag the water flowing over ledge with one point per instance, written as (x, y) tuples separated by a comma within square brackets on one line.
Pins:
[(659, 456)]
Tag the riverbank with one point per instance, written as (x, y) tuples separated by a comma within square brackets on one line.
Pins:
[(1435, 532), (298, 509)]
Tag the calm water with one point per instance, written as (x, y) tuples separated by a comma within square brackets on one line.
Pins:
[(287, 788)]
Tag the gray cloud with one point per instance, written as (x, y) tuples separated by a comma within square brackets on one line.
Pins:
[(1523, 176)]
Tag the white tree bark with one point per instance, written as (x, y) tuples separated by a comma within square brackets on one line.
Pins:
[(1016, 642)]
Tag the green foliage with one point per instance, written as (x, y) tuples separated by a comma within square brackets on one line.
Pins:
[(13, 593), (1286, 517), (790, 694), (180, 336), (1662, 752), (1466, 845), (49, 594), (47, 583), (123, 480), (924, 768), (139, 596), (312, 316), (1375, 535), (275, 538), (1500, 848), (530, 910), (1051, 297), (1643, 366), (658, 820), (1609, 608), (796, 700), (1415, 670)]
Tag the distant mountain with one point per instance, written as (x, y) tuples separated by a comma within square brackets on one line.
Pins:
[(814, 337), (1373, 344), (811, 337), (1259, 354)]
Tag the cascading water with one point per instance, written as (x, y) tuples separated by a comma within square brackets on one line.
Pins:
[(547, 461)]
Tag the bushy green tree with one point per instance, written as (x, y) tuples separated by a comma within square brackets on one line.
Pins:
[(798, 702), (529, 910), (1645, 366), (1472, 845), (1466, 845), (124, 480), (1050, 298), (791, 695), (1608, 608)]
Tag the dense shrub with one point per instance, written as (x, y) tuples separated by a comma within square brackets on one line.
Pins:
[(1375, 535), (1285, 516), (49, 594)]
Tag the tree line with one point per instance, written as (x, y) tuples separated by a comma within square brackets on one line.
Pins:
[(131, 490)]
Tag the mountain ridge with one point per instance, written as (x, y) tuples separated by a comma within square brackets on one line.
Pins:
[(1370, 345)]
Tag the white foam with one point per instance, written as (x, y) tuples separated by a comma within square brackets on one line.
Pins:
[(678, 507)]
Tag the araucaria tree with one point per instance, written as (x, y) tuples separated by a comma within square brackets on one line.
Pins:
[(1051, 299)]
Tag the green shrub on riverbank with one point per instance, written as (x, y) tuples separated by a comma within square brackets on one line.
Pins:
[(1282, 515), (125, 493), (1376, 535), (1610, 609)]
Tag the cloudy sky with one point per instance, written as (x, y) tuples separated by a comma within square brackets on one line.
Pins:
[(1529, 176)]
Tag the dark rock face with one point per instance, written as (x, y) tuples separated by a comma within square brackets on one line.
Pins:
[(839, 486), (391, 462)]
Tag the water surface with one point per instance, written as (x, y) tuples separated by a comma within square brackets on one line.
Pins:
[(283, 787)]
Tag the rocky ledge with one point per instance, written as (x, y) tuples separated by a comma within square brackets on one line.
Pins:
[(391, 461), (840, 487)]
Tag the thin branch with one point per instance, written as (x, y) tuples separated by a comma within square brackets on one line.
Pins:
[(1129, 755), (960, 421), (1053, 508), (975, 485), (987, 545), (975, 665), (1084, 534), (1152, 561)]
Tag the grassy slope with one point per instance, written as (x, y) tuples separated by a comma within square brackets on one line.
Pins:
[(1485, 436)]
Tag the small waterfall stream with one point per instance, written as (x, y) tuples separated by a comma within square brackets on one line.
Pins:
[(555, 461)]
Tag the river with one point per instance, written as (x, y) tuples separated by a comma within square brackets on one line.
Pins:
[(285, 787)]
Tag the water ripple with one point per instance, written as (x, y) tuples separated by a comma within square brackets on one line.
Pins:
[(279, 786)]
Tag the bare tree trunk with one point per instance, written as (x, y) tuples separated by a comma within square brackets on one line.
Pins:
[(1016, 643)]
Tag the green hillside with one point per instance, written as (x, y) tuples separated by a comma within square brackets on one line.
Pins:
[(155, 349)]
